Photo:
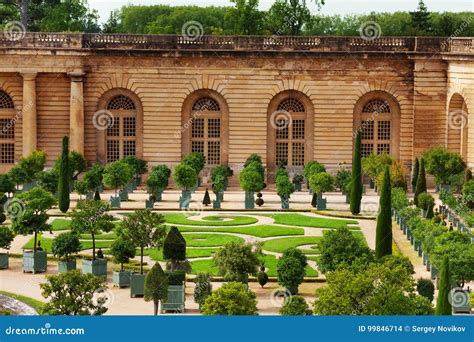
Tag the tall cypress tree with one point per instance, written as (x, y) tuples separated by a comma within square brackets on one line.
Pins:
[(443, 306), (383, 237), (414, 177), (64, 178), (356, 179), (420, 182)]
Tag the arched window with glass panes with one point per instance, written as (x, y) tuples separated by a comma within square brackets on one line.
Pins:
[(7, 129), (290, 132), (206, 133), (376, 127), (121, 131)]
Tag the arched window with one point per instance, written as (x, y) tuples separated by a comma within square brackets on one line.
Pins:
[(290, 131), (457, 126), (206, 129), (121, 130), (7, 129), (376, 127)]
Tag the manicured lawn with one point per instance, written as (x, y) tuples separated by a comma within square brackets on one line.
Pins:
[(209, 240), (182, 219), (61, 224), (308, 221), (191, 253), (107, 236), (46, 244), (258, 231), (280, 245), (34, 303), (270, 263)]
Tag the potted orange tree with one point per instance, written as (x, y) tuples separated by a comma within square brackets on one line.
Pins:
[(63, 247), (6, 238)]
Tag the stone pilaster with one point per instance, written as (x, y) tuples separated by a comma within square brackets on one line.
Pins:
[(29, 117), (76, 118)]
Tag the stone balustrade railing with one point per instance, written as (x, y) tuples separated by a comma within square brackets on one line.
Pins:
[(234, 43)]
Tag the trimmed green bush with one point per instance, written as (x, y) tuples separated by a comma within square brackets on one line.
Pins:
[(383, 238), (443, 306), (295, 306), (232, 299), (425, 288), (66, 244), (185, 176), (414, 176), (356, 177), (420, 182), (64, 178), (174, 246)]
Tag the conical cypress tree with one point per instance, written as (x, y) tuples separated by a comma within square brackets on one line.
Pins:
[(207, 199), (414, 177), (97, 195), (383, 237), (356, 180), (420, 182), (314, 200), (443, 306), (64, 178)]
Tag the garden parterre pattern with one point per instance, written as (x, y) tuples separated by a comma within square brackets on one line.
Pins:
[(206, 232)]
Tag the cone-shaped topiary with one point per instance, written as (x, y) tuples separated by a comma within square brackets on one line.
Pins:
[(156, 286), (314, 200), (262, 277), (356, 178), (174, 247), (420, 182), (414, 177), (207, 199), (443, 306), (383, 237), (64, 178)]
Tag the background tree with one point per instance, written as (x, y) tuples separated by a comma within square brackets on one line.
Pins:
[(443, 164), (64, 177), (29, 212), (66, 244), (91, 217), (232, 299), (356, 179), (420, 182), (122, 250), (196, 160), (340, 247), (443, 306), (245, 18), (321, 182), (290, 273), (156, 286), (414, 177), (139, 166), (6, 184), (185, 176), (93, 179), (236, 261), (6, 237), (287, 17), (372, 289), (174, 249), (203, 288), (420, 20), (383, 237), (295, 306), (117, 175), (157, 181), (145, 228), (80, 187)]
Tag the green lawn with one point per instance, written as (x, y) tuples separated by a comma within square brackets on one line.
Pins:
[(107, 236), (191, 253), (308, 221), (270, 263), (280, 245), (61, 224), (210, 240), (258, 231), (46, 244), (182, 219)]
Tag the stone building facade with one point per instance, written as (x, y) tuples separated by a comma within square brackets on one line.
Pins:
[(285, 98)]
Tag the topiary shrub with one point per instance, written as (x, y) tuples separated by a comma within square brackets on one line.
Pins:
[(123, 250), (399, 199), (196, 160), (295, 306), (426, 202), (203, 288), (262, 277), (425, 288), (174, 248), (231, 299), (64, 177), (290, 273), (66, 244), (207, 199), (185, 176)]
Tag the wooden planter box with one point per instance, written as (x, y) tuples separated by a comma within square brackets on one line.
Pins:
[(185, 199), (123, 194), (121, 278), (176, 300), (3, 261), (285, 203), (249, 200), (149, 204), (298, 187), (158, 196), (216, 204), (89, 195), (64, 266), (96, 267), (35, 262), (115, 202), (137, 285), (434, 272)]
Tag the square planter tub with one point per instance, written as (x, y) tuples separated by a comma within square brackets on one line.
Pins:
[(35, 262), (96, 267), (3, 261), (137, 285), (64, 266), (121, 278)]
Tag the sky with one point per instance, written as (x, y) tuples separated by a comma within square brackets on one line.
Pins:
[(104, 7)]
